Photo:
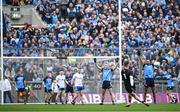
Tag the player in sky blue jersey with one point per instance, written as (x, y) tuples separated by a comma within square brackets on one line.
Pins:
[(148, 76), (170, 84), (107, 72), (20, 85), (69, 87), (48, 80)]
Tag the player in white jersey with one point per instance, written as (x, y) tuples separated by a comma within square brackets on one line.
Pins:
[(61, 78), (77, 82)]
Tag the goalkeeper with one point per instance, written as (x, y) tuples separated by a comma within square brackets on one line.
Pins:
[(107, 72), (129, 84)]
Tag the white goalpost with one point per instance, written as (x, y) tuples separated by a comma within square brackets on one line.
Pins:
[(120, 54), (1, 63)]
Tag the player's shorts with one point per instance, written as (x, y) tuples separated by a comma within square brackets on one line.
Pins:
[(47, 90), (21, 90), (79, 88), (61, 89), (106, 85), (129, 88), (69, 89), (149, 82), (170, 88)]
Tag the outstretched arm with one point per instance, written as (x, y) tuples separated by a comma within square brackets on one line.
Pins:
[(97, 64), (140, 58), (115, 67)]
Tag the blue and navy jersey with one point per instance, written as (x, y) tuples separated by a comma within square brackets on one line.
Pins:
[(170, 81), (68, 79), (107, 74), (148, 71), (48, 82), (20, 82)]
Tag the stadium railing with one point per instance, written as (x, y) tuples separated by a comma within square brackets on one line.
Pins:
[(63, 51)]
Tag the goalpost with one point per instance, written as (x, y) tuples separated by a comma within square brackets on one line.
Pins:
[(84, 60), (1, 61), (120, 51)]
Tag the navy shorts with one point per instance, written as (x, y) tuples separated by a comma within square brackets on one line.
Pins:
[(47, 90), (69, 89), (149, 82), (79, 88), (170, 88), (106, 85), (21, 90), (61, 89)]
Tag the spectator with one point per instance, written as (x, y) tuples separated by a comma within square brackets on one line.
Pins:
[(9, 71), (15, 2), (6, 87)]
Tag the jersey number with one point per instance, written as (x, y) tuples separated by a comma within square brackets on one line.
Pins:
[(124, 76)]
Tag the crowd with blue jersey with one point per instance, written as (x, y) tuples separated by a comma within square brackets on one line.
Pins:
[(150, 40), (19, 2), (153, 28), (73, 24)]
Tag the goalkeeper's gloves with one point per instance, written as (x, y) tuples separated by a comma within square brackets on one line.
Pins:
[(95, 60)]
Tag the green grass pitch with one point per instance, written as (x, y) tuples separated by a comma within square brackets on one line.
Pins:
[(90, 108)]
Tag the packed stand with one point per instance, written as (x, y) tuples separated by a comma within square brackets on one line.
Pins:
[(151, 26), (81, 25), (33, 41), (19, 2)]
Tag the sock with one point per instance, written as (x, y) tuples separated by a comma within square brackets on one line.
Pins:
[(129, 101)]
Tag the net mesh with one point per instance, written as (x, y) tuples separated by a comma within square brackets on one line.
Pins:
[(36, 69)]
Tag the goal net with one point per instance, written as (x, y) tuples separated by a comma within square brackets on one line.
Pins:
[(35, 70)]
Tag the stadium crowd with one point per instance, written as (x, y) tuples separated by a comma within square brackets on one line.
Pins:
[(151, 26), (18, 2), (74, 24)]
